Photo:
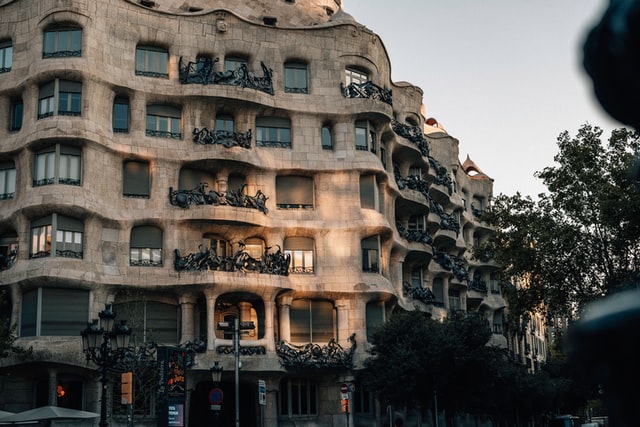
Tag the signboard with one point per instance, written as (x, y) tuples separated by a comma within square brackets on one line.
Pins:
[(262, 392), (344, 391), (175, 414), (171, 386), (216, 396)]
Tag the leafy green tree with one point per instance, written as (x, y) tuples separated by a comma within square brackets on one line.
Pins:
[(581, 240)]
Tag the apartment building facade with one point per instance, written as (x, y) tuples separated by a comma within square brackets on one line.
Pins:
[(192, 163)]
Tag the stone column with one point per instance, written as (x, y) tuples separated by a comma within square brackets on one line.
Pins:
[(211, 297), (53, 387), (342, 307), (285, 321), (269, 330), (187, 304)]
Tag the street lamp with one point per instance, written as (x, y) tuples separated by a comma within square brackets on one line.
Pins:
[(236, 327), (105, 354), (216, 373)]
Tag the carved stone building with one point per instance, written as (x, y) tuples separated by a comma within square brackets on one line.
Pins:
[(201, 161)]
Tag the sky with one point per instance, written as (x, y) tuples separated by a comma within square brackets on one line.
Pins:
[(504, 77)]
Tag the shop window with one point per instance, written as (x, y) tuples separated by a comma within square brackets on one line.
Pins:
[(301, 250), (56, 234), (136, 179), (62, 42), (146, 246), (294, 192), (6, 56), (152, 62), (295, 78), (164, 121), (58, 164), (121, 115), (7, 179), (298, 397), (312, 321), (273, 132), (54, 312)]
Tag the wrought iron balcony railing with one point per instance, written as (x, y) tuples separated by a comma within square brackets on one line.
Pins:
[(199, 196), (7, 261), (315, 356), (452, 263), (225, 138), (413, 134), (202, 72), (367, 90), (478, 285), (424, 295), (420, 236)]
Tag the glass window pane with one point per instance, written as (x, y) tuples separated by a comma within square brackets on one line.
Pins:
[(49, 42), (76, 40), (63, 40)]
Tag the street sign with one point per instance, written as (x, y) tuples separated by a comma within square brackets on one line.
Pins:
[(262, 392), (216, 396), (344, 391)]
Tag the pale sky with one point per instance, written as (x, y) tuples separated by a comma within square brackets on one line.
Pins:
[(504, 77)]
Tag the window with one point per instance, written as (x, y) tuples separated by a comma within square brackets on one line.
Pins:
[(164, 121), (416, 278), (416, 172), (62, 97), (121, 115), (152, 320), (6, 56), (234, 63), (17, 107), (190, 179), (294, 192), (353, 75), (68, 234), (62, 42), (225, 123), (438, 290), (454, 300), (368, 192), (152, 62), (273, 132), (254, 247), (146, 246), (363, 400), (298, 397), (61, 164), (375, 317), (295, 78), (217, 245), (417, 223), (54, 311), (326, 137), (136, 179), (301, 251), (311, 321), (494, 282), (370, 254), (8, 253), (365, 136), (7, 180)]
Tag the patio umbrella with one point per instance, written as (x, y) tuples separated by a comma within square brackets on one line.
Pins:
[(47, 413), (5, 414)]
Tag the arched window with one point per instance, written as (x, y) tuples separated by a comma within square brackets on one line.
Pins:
[(152, 62), (326, 137), (146, 246), (62, 42)]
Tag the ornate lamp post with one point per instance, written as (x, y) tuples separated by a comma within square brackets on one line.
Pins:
[(104, 343), (216, 395)]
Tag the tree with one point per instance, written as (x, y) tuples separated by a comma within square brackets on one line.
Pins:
[(7, 331), (581, 240)]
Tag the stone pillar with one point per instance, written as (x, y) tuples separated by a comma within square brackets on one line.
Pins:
[(342, 307), (269, 330), (187, 304), (445, 292), (285, 321), (244, 315), (53, 387), (211, 297)]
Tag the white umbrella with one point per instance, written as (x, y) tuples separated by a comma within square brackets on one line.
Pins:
[(47, 413), (5, 414)]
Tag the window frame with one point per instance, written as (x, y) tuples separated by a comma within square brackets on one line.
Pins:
[(356, 75), (6, 56), (299, 398), (8, 177), (17, 113), (51, 310), (312, 321), (58, 164), (136, 183), (48, 237), (296, 77), (146, 246), (326, 137), (370, 249), (53, 95), (152, 61), (273, 132), (120, 124), (73, 35), (295, 192), (366, 138), (302, 252), (163, 121)]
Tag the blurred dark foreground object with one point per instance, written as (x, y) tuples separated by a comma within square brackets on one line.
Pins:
[(605, 346), (612, 60)]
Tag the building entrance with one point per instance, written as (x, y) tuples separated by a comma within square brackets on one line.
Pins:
[(201, 414)]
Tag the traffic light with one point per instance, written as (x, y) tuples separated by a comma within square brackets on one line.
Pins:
[(126, 388)]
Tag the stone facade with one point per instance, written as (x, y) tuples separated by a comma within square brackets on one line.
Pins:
[(347, 202)]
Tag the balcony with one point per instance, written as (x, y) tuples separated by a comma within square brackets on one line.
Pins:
[(201, 72), (367, 90)]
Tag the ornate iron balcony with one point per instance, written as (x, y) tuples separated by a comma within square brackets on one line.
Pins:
[(478, 285), (202, 72), (452, 263), (367, 90), (276, 263), (315, 356), (7, 261), (227, 139), (244, 350), (62, 54), (413, 134), (163, 134), (442, 175), (69, 254), (199, 196), (420, 236)]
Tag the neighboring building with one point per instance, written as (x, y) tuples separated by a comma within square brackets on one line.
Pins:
[(192, 162)]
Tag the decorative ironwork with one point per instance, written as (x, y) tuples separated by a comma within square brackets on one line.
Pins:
[(413, 134), (62, 54), (424, 295), (452, 263), (236, 198), (244, 350), (69, 254), (205, 259), (225, 138), (5, 69), (447, 221), (315, 356), (477, 212), (420, 236), (478, 285), (144, 263), (442, 175), (7, 261), (273, 144), (202, 72), (163, 134), (367, 90), (7, 196), (412, 182)]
